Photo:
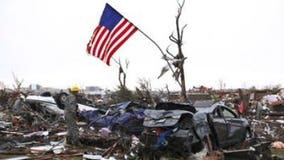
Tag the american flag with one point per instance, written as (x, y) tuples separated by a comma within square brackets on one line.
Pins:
[(112, 31)]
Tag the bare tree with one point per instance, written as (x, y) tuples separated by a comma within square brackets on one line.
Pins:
[(18, 83), (122, 74), (122, 93), (144, 91), (177, 60), (17, 90)]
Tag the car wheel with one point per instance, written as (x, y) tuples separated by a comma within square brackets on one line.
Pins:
[(201, 153), (62, 98)]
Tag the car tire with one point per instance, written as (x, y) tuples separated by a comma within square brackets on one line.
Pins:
[(61, 99), (201, 153)]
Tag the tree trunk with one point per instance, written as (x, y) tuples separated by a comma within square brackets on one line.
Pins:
[(183, 88), (70, 110), (180, 53)]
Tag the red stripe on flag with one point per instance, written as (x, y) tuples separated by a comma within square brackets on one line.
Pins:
[(119, 45), (103, 45), (100, 34), (89, 45), (110, 42), (120, 35), (117, 37), (95, 40)]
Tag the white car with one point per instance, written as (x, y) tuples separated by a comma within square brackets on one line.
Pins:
[(52, 106)]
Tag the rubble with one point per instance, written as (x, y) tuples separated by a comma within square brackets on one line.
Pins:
[(34, 128)]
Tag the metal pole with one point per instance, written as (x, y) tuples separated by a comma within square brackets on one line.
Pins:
[(164, 55)]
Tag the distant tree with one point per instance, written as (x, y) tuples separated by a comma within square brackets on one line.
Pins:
[(17, 83), (122, 93), (17, 90), (144, 91)]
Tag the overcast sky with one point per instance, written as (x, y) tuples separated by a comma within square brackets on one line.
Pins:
[(237, 42)]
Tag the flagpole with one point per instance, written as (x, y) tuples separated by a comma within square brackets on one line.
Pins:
[(156, 44)]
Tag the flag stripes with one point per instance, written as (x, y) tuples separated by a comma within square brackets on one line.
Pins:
[(104, 43)]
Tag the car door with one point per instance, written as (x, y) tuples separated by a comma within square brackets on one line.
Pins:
[(220, 126), (234, 125)]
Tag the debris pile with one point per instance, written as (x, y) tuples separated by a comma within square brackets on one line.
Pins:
[(34, 126)]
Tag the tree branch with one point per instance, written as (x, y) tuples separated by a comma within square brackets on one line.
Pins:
[(168, 51), (182, 32), (173, 38)]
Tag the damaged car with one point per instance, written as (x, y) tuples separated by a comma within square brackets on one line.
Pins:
[(50, 104), (185, 129), (227, 128), (173, 128)]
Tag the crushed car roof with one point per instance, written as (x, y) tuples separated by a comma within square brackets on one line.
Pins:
[(207, 106)]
